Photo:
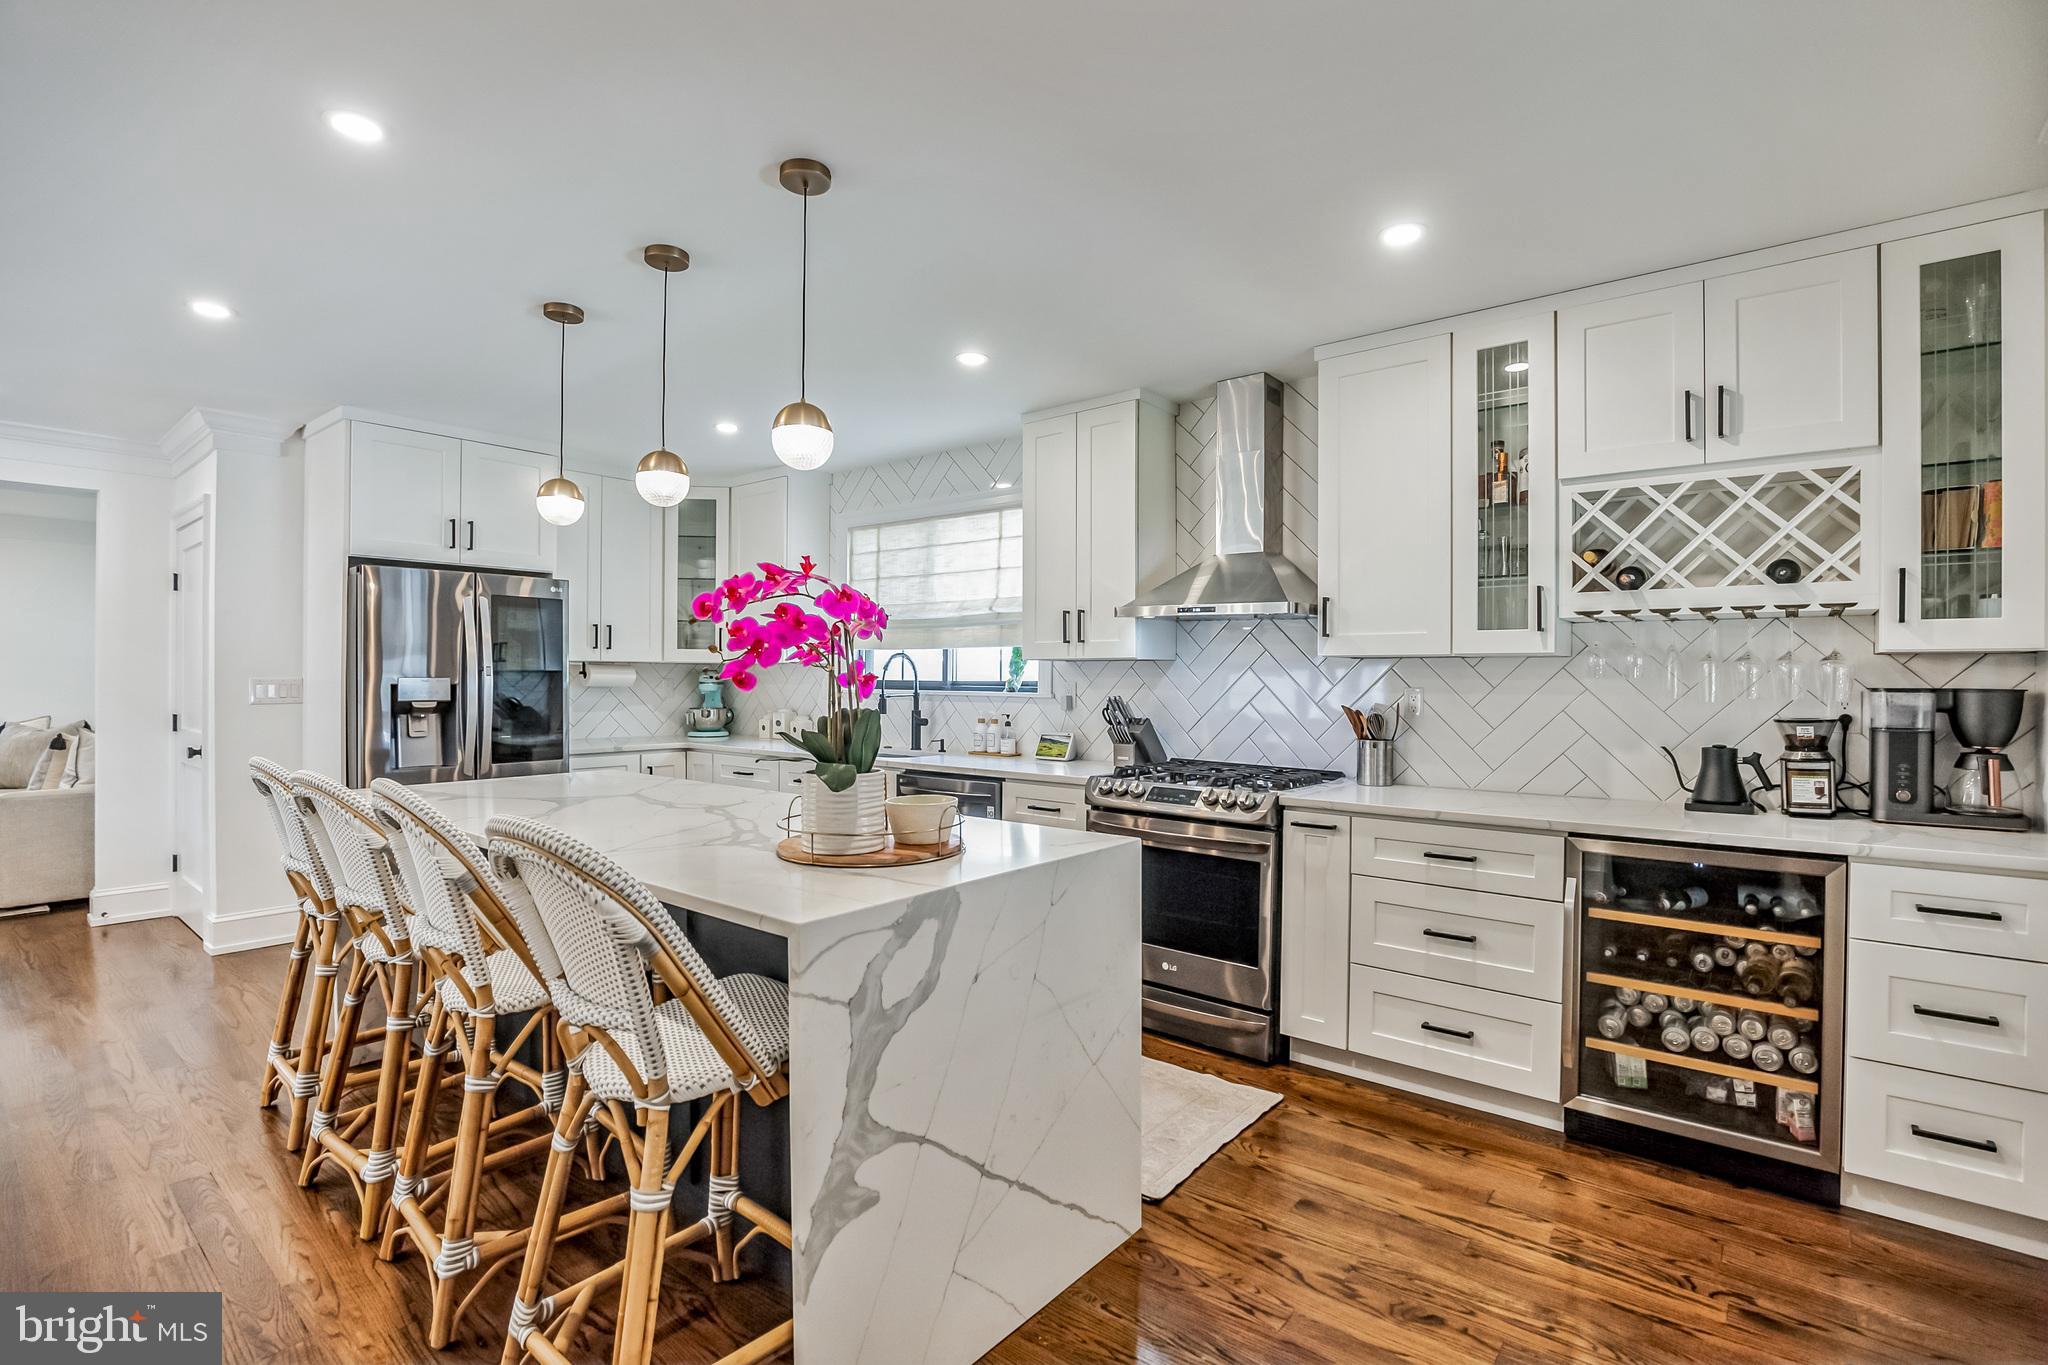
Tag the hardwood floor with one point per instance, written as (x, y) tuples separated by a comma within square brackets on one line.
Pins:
[(1348, 1224)]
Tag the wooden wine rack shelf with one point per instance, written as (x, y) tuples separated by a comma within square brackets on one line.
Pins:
[(1693, 926), (1728, 998), (1689, 1062)]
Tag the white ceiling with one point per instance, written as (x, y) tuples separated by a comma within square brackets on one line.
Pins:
[(1098, 195)]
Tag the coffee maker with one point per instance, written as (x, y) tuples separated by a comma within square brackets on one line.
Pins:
[(1903, 784)]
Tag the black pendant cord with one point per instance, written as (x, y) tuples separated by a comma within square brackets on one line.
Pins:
[(803, 313), (664, 359)]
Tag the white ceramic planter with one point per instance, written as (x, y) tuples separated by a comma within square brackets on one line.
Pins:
[(851, 821)]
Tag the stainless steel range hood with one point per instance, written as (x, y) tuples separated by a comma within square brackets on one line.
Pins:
[(1249, 573)]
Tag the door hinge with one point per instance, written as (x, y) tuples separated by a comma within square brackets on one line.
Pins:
[(174, 862), (174, 582), (174, 722)]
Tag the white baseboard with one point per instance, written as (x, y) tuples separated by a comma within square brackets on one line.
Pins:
[(263, 927), (124, 904), (1501, 1103), (2000, 1227)]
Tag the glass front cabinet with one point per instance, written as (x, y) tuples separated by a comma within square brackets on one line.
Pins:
[(1964, 386), (1504, 488), (696, 549)]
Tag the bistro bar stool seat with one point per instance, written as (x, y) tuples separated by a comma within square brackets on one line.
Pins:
[(293, 1067), (629, 1061), (482, 965)]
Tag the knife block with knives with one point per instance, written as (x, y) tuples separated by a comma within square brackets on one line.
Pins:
[(1133, 735)]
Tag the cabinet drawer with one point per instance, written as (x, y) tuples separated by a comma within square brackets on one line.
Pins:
[(1975, 1017), (1497, 860), (1965, 1139), (1969, 912), (1508, 1042), (744, 772), (1499, 943), (1038, 803)]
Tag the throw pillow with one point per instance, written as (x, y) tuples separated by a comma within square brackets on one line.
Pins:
[(80, 768), (20, 750), (26, 723), (49, 771)]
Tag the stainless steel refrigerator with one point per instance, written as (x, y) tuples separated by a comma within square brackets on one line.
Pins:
[(455, 675)]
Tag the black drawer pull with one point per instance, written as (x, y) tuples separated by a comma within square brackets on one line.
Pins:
[(1455, 938), (1451, 857), (1974, 1144), (1310, 824), (1464, 1033), (1990, 915), (1987, 1020), (1045, 810), (743, 772)]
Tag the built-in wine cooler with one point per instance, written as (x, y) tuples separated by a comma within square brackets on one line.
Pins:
[(1705, 1012)]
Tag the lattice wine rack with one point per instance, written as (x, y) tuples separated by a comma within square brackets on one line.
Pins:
[(1706, 541)]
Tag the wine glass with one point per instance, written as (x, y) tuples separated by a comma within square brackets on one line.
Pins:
[(1635, 661), (1834, 683)]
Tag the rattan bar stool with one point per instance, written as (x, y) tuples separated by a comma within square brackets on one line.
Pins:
[(629, 1060), (294, 1067), (479, 963), (351, 843)]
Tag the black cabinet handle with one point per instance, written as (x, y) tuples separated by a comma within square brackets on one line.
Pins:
[(193, 753), (1902, 595), (607, 637), (1045, 810), (743, 772), (1323, 618), (1081, 625), (593, 635), (1991, 915), (1065, 621), (1721, 411), (472, 537), (1464, 1033), (1987, 1020), (1306, 824), (1974, 1144), (451, 533), (1688, 416), (1455, 938), (1450, 857), (1539, 609)]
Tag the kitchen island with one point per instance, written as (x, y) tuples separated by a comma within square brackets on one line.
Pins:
[(964, 1131)]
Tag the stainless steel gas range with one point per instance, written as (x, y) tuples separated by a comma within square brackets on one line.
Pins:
[(1211, 833)]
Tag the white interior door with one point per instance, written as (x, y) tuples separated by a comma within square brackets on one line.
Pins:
[(1383, 501), (1051, 538), (1792, 358), (501, 527), (1106, 527), (577, 562), (629, 574), (1629, 382), (191, 691), (405, 494)]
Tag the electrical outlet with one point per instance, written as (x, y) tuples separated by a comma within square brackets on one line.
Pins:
[(275, 691)]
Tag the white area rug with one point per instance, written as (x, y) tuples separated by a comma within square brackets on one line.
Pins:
[(1188, 1116)]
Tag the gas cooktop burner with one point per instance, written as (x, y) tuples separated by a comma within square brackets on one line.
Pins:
[(1196, 772)]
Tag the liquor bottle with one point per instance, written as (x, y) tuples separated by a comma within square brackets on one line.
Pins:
[(1804, 1059), (1765, 1057), (1676, 1038), (1736, 1046), (1751, 1025), (1781, 1034), (1499, 452), (1795, 981)]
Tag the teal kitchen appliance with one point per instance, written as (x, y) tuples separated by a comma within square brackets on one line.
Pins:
[(710, 717)]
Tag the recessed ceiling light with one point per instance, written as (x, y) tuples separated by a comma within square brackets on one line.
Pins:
[(727, 428), (212, 310), (1401, 234), (973, 360), (355, 127), (1516, 367)]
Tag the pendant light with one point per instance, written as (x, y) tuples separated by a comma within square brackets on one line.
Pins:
[(560, 501), (801, 436), (662, 478)]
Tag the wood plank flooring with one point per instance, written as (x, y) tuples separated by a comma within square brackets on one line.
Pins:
[(1349, 1224)]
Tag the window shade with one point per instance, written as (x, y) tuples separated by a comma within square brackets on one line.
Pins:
[(946, 580)]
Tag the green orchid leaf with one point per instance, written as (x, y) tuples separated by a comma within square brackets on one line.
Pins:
[(867, 741), (836, 776)]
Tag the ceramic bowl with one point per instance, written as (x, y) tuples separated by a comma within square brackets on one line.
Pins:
[(921, 819)]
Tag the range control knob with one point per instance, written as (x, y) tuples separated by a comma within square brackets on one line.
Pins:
[(1210, 796), (1247, 800)]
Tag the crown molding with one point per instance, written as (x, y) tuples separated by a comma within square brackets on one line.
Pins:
[(82, 448), (204, 430)]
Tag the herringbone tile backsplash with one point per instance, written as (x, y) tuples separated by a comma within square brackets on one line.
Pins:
[(1586, 725)]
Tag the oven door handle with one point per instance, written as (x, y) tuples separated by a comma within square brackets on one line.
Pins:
[(1249, 846)]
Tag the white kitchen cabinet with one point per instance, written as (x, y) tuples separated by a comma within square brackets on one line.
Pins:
[(405, 494), (1383, 501), (699, 766), (1504, 489), (1791, 358), (1964, 562), (1045, 803), (604, 763), (501, 528), (612, 559), (1315, 928), (1098, 528), (696, 541), (1628, 382), (1507, 1042), (663, 763)]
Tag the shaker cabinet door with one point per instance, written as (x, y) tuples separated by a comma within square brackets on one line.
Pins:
[(405, 494), (501, 528), (1792, 358), (1053, 537), (1628, 383), (577, 563), (1315, 928), (1504, 489), (629, 572)]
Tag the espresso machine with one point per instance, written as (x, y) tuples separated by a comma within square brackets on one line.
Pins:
[(1904, 786)]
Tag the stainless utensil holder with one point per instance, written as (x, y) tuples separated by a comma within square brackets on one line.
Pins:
[(1375, 762)]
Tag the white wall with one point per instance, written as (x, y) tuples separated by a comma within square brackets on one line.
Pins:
[(46, 586), (131, 646)]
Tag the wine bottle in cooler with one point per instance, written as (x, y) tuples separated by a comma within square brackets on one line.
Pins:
[(1752, 905), (1682, 901)]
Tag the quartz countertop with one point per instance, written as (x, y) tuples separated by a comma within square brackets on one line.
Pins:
[(1073, 774), (1845, 836), (710, 847), (734, 744)]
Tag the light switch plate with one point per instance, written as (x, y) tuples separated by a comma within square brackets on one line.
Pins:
[(275, 691)]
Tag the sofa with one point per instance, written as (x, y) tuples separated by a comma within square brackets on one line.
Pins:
[(46, 812)]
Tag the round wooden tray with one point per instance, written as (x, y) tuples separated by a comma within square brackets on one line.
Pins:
[(893, 854)]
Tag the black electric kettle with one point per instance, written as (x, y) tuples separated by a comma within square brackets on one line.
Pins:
[(1719, 786)]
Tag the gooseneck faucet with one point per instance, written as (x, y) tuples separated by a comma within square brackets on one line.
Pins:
[(916, 710)]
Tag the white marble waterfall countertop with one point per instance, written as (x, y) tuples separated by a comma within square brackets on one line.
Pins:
[(733, 744), (1074, 774), (1845, 836), (710, 847)]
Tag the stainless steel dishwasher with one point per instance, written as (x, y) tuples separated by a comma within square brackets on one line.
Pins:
[(981, 796)]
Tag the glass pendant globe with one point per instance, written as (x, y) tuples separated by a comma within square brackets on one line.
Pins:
[(662, 478), (560, 502), (802, 438)]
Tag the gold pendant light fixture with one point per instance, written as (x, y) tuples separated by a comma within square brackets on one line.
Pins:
[(559, 500), (662, 478), (801, 436)]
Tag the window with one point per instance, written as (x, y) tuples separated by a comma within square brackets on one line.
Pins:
[(954, 587), (975, 668)]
